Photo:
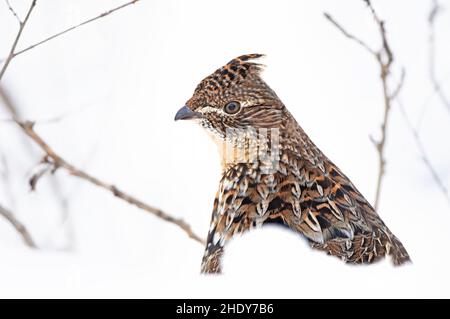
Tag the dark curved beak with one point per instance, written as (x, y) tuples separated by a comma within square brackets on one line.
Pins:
[(185, 113)]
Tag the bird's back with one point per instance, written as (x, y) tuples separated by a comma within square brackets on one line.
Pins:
[(334, 215)]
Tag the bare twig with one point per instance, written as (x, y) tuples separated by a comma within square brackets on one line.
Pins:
[(56, 187), (422, 152), (397, 90), (55, 162), (384, 58), (347, 34), (13, 11), (102, 15), (58, 162), (14, 53), (434, 12), (21, 229), (3, 211), (16, 40)]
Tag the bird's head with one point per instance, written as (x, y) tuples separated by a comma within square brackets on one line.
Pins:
[(234, 97)]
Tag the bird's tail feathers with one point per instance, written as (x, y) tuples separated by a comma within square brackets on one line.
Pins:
[(398, 252)]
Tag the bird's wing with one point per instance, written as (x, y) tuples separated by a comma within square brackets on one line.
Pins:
[(331, 206), (339, 220)]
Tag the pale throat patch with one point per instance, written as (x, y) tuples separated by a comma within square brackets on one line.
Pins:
[(251, 146)]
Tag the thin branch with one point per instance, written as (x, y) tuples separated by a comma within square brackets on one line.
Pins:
[(397, 90), (437, 85), (102, 15), (16, 40), (347, 34), (58, 162), (423, 153), (55, 162), (56, 187), (21, 229), (13, 11), (434, 12), (384, 59), (46, 120), (427, 101)]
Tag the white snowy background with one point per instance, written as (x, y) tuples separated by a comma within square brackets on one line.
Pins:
[(115, 86)]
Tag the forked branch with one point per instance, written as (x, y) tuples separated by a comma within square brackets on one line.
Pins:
[(55, 161), (384, 58)]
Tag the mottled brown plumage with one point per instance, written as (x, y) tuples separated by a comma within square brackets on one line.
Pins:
[(273, 173)]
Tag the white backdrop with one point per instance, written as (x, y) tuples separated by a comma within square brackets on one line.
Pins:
[(117, 84)]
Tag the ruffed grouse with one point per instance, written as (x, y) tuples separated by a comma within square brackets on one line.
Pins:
[(273, 173)]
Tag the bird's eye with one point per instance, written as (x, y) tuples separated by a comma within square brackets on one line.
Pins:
[(232, 107)]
